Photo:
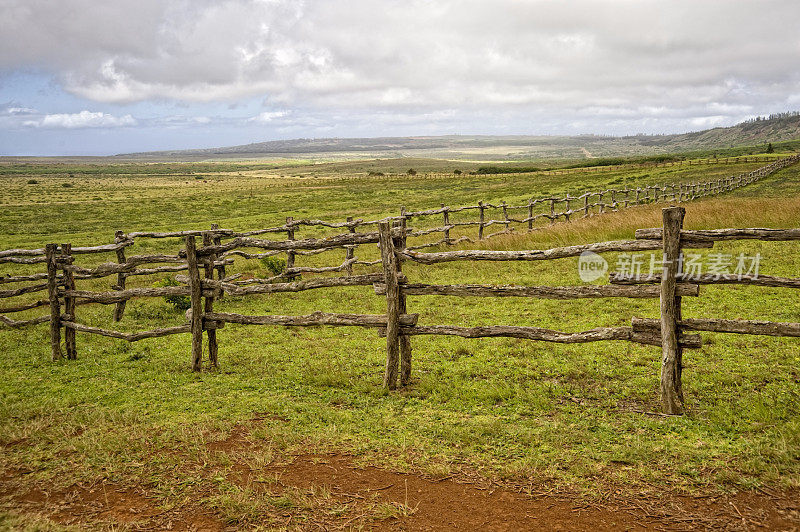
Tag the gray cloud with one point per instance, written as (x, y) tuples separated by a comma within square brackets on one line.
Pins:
[(628, 62)]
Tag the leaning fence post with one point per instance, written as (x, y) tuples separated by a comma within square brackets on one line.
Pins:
[(119, 308), (671, 360), (69, 306), (217, 240), (55, 306), (211, 330), (481, 215), (389, 261), (405, 340), (290, 254), (446, 221), (351, 251), (196, 291)]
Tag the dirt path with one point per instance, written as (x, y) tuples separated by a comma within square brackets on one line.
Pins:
[(332, 492), (587, 153)]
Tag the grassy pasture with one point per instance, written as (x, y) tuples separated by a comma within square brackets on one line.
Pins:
[(561, 416)]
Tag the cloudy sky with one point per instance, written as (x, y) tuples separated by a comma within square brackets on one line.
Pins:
[(100, 77)]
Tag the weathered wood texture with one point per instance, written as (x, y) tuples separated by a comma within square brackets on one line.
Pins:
[(759, 280), (314, 319), (710, 235), (390, 267), (119, 309), (547, 254), (542, 292), (764, 328), (403, 340), (671, 356), (196, 296), (55, 306), (69, 309), (130, 337), (208, 307)]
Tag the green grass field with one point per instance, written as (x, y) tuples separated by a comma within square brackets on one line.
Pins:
[(568, 417)]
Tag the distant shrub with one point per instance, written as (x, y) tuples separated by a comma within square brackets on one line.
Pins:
[(770, 148), (456, 172), (411, 171), (180, 303), (274, 265), (507, 169), (66, 185), (375, 174), (32, 181)]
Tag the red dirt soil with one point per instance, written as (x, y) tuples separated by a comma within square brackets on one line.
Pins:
[(416, 503)]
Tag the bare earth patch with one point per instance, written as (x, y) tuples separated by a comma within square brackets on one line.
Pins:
[(333, 492)]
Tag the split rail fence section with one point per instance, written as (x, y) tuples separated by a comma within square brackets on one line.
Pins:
[(201, 260)]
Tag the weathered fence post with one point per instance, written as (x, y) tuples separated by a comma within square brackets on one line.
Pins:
[(446, 221), (506, 223), (481, 215), (55, 306), (389, 261), (586, 204), (119, 308), (69, 307), (290, 254), (217, 240), (197, 307), (552, 210), (405, 341), (351, 252), (530, 215), (566, 208), (211, 331), (671, 359)]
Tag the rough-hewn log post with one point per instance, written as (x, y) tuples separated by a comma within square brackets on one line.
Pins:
[(506, 223), (671, 360), (197, 307), (586, 205), (601, 207), (552, 211), (389, 261), (446, 220), (405, 341), (530, 215), (290, 254), (217, 240), (69, 307), (566, 208), (351, 252), (55, 307), (208, 240), (119, 308), (481, 215)]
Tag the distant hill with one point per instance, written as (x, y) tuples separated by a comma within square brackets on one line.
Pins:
[(775, 128)]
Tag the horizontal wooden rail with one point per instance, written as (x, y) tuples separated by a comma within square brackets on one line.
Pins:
[(546, 335), (547, 254), (311, 320), (296, 286), (116, 296), (764, 328), (285, 245), (543, 292), (707, 278), (8, 322), (130, 337), (711, 235)]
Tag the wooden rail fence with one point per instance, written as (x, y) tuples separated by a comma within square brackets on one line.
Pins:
[(206, 281)]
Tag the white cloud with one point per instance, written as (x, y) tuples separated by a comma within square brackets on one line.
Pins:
[(84, 119), (269, 116), (680, 63)]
